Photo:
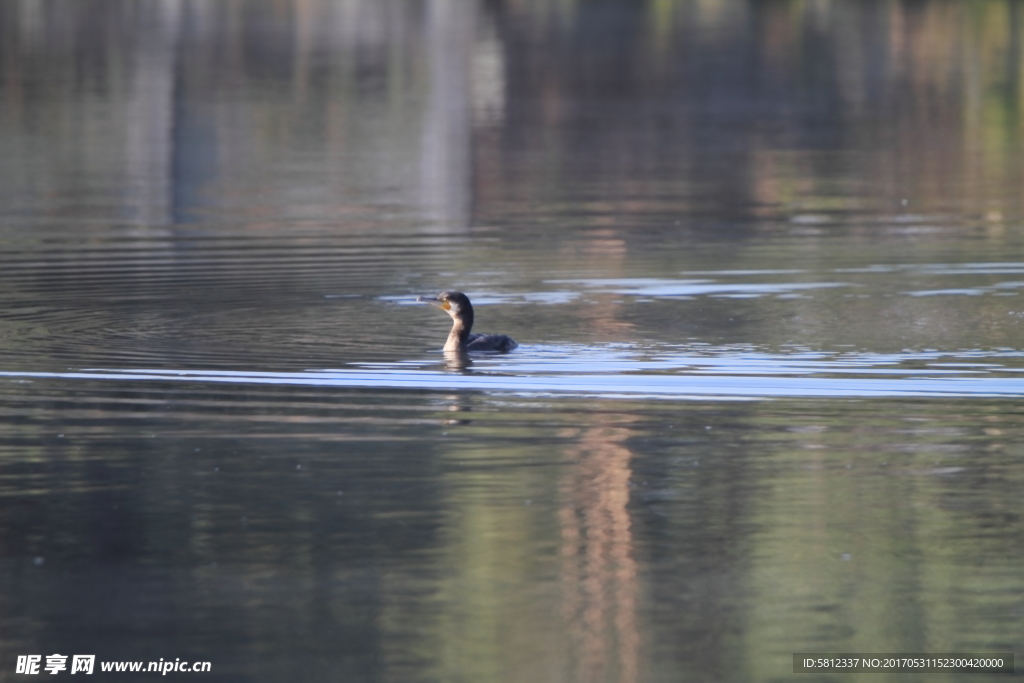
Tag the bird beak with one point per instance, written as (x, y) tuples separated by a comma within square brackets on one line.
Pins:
[(433, 302)]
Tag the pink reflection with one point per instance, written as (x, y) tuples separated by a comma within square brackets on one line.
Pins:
[(599, 577)]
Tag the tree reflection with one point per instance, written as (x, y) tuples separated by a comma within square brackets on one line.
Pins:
[(599, 574)]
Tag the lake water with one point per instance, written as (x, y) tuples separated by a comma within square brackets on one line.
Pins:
[(764, 261)]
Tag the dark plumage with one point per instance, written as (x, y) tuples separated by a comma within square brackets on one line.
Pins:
[(457, 305)]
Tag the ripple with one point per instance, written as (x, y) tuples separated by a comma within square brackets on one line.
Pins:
[(668, 288), (741, 376)]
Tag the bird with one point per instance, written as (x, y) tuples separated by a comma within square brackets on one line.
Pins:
[(457, 305)]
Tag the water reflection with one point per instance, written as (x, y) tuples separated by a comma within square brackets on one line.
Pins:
[(599, 574), (394, 104), (763, 258)]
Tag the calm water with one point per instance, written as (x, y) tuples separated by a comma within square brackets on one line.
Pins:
[(765, 262)]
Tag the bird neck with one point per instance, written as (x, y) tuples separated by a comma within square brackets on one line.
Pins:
[(459, 335)]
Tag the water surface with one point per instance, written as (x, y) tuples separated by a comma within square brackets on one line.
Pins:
[(764, 262)]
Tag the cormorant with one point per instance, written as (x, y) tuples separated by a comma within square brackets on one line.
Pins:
[(459, 339)]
